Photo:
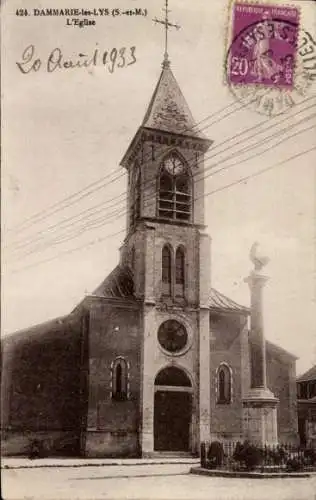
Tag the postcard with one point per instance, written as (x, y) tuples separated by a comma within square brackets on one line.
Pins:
[(158, 249)]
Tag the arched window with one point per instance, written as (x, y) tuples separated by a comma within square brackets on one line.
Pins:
[(224, 384), (119, 379), (118, 375), (175, 189), (135, 194), (180, 272), (166, 270)]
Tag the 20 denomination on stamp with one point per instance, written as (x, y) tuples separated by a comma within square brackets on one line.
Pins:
[(264, 45)]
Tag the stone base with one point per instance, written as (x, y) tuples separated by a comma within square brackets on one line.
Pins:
[(51, 442), (103, 444), (260, 417), (262, 394)]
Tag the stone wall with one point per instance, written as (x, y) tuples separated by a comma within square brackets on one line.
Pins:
[(41, 387), (112, 426), (226, 345), (51, 442)]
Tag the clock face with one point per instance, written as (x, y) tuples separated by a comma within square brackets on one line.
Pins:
[(172, 336), (174, 165)]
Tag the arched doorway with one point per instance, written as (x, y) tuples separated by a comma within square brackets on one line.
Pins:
[(173, 410)]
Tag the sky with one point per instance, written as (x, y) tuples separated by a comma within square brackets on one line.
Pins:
[(66, 129)]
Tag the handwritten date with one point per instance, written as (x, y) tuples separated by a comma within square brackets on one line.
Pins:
[(115, 58)]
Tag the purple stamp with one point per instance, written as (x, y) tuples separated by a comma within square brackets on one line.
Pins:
[(264, 45)]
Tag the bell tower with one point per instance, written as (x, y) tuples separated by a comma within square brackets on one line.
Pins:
[(168, 251)]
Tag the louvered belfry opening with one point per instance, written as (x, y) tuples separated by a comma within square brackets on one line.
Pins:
[(175, 190)]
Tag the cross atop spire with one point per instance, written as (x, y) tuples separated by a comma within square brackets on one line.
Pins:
[(167, 25)]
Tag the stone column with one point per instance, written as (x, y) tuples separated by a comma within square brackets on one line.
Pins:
[(204, 395), (148, 345), (204, 340), (259, 404), (257, 346), (147, 382)]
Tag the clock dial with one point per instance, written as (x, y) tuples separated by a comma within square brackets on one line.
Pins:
[(174, 165)]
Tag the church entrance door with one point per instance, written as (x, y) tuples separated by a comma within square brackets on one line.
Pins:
[(172, 411), (172, 421)]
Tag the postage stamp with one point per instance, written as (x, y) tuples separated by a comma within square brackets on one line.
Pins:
[(263, 46), (270, 60)]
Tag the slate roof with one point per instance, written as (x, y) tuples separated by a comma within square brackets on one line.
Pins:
[(309, 375), (168, 109), (39, 330), (220, 302), (118, 284), (276, 349)]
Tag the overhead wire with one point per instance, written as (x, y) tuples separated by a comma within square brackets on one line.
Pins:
[(107, 219), (210, 193), (118, 213), (73, 218), (59, 205)]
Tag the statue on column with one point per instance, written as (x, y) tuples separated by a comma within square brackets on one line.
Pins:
[(258, 260)]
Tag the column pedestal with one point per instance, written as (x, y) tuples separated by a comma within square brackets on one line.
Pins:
[(260, 417)]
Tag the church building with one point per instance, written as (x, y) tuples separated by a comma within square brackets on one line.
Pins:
[(155, 360)]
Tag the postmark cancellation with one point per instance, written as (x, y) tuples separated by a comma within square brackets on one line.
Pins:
[(270, 61)]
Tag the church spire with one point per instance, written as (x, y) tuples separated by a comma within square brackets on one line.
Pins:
[(165, 22)]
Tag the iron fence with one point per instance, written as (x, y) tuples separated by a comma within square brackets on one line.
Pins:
[(237, 456)]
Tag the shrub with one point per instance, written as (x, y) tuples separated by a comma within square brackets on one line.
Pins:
[(215, 455), (238, 452), (310, 456), (293, 465), (276, 455), (248, 454), (280, 455)]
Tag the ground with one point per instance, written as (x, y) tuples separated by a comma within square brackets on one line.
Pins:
[(144, 482)]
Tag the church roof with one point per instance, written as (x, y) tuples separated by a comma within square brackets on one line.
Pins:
[(40, 330), (276, 349), (218, 302), (168, 109), (118, 284), (309, 375)]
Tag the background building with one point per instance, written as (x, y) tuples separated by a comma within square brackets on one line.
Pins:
[(306, 395)]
